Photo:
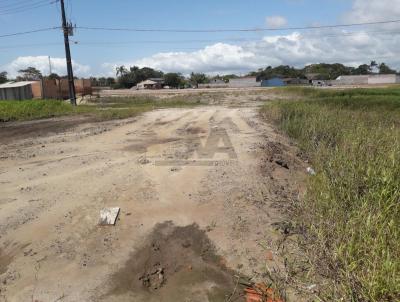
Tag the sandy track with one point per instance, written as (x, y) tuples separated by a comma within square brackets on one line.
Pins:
[(53, 187)]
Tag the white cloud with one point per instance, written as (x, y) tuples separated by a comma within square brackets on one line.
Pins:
[(373, 10), (297, 49), (276, 21), (351, 46), (218, 57), (59, 66)]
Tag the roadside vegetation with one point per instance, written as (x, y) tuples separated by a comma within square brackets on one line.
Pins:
[(100, 109), (351, 211)]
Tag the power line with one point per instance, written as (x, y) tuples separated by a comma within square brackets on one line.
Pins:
[(236, 30), (30, 45), (27, 7), (105, 43), (30, 31), (116, 43), (218, 30), (17, 3)]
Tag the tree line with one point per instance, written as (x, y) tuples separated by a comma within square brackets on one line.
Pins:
[(129, 77), (323, 70)]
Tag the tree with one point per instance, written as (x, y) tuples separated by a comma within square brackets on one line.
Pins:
[(385, 69), (373, 67), (29, 74), (198, 78), (135, 75), (363, 69), (328, 71), (110, 81), (53, 76), (174, 80), (3, 77), (121, 70)]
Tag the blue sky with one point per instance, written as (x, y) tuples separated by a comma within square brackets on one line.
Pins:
[(179, 14)]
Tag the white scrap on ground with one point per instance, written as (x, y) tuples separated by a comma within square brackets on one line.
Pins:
[(108, 216), (311, 171)]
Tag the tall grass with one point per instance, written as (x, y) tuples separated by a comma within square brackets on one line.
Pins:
[(352, 206)]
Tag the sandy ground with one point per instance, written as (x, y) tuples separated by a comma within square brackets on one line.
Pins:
[(201, 193)]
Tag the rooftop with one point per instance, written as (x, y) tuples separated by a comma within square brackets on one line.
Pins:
[(16, 84)]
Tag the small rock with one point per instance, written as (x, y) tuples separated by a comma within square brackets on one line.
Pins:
[(282, 164)]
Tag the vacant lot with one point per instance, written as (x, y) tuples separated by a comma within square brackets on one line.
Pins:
[(351, 210), (203, 191), (213, 196)]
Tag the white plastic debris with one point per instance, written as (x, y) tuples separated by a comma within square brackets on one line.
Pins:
[(312, 287), (311, 171), (108, 216)]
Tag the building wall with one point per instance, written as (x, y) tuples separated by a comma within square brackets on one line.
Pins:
[(244, 82), (352, 80), (83, 87), (16, 93), (36, 90), (382, 79), (368, 79), (214, 85), (275, 82), (59, 89)]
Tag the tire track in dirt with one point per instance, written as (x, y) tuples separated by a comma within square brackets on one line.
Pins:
[(228, 205)]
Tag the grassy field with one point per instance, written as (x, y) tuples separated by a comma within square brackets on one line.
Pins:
[(352, 207), (102, 109)]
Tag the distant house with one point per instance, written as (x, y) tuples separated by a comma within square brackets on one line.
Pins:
[(158, 80), (274, 82), (244, 82), (150, 84), (373, 79), (16, 90)]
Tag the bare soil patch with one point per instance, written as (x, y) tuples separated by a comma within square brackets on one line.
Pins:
[(176, 262)]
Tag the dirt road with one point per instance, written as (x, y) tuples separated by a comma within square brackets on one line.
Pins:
[(201, 193)]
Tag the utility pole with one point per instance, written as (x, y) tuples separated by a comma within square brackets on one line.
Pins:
[(67, 30), (50, 66)]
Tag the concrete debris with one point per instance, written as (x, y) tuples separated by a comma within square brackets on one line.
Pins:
[(108, 216)]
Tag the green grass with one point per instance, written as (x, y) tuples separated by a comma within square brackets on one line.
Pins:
[(28, 110), (102, 109), (352, 207)]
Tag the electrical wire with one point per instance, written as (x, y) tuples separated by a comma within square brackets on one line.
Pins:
[(235, 30), (30, 31), (17, 3), (27, 8), (105, 43), (30, 45)]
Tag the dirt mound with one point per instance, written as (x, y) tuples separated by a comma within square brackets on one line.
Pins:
[(176, 263)]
